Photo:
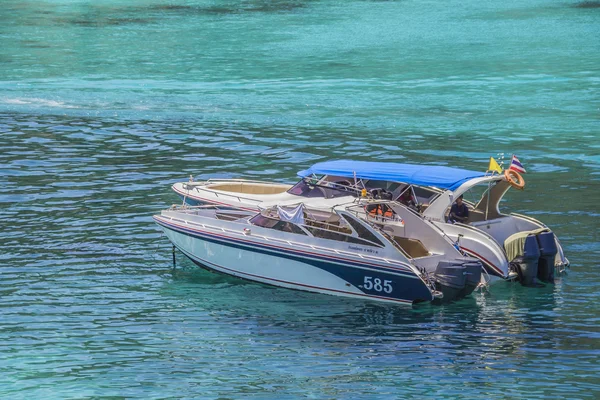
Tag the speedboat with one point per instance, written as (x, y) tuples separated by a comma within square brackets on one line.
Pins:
[(252, 195), (510, 246), (369, 251)]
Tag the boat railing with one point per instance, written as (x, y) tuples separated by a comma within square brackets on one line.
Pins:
[(486, 222), (309, 222), (384, 219), (360, 211), (328, 189), (340, 187), (185, 206), (313, 223), (476, 229), (239, 198), (231, 180), (191, 209), (530, 219)]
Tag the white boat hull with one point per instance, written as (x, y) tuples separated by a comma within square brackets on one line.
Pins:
[(244, 258), (195, 195)]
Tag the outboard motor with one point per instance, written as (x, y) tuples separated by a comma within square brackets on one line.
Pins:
[(527, 262), (473, 268), (548, 252), (450, 279)]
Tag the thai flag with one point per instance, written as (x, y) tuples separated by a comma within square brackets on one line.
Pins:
[(516, 165)]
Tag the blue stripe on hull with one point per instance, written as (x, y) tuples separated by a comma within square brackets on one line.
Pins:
[(285, 251), (406, 286), (276, 282)]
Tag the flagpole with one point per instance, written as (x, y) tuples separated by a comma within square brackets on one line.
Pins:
[(493, 167), (487, 206)]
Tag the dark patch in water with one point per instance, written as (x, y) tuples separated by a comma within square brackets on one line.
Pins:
[(276, 6), (171, 7), (37, 46), (125, 21), (115, 18), (263, 6), (587, 4), (216, 10), (108, 21)]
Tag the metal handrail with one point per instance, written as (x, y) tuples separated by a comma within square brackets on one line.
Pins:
[(530, 219), (320, 225), (186, 207), (237, 180), (232, 195), (478, 230), (317, 225), (361, 209), (485, 222)]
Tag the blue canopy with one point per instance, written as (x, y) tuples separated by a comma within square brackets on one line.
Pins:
[(422, 175)]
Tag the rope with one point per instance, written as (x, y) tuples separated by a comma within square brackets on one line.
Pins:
[(484, 286)]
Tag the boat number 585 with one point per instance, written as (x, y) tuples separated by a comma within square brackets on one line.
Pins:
[(376, 284)]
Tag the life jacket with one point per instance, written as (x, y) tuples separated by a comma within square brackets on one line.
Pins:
[(381, 210)]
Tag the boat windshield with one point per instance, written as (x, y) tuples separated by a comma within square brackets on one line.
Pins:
[(277, 224), (389, 186), (319, 224), (425, 196), (480, 207), (475, 194), (327, 190)]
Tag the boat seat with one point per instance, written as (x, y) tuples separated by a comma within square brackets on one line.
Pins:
[(249, 188), (412, 247), (333, 219), (476, 215)]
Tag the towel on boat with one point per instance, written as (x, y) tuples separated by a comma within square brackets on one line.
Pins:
[(295, 216)]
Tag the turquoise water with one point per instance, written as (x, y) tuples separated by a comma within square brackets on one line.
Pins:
[(104, 104)]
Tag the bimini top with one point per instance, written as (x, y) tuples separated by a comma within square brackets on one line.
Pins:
[(422, 175)]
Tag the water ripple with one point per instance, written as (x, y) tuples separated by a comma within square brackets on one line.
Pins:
[(104, 106), (90, 304)]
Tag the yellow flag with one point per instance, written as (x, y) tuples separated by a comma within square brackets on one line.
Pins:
[(494, 166)]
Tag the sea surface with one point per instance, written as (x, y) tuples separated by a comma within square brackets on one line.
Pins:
[(105, 104)]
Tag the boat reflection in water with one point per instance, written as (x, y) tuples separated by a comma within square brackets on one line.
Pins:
[(362, 250)]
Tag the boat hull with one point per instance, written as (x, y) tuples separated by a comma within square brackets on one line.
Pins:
[(243, 257)]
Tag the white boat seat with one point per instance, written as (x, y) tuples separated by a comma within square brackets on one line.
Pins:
[(413, 247)]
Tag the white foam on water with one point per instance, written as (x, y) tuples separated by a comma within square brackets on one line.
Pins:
[(36, 101)]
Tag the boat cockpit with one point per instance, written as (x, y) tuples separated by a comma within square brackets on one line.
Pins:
[(322, 224), (359, 224)]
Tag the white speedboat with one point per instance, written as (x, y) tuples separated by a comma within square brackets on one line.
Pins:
[(363, 251), (495, 238), (252, 195)]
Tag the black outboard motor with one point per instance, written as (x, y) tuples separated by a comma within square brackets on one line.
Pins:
[(474, 269), (528, 261), (450, 279), (548, 252)]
